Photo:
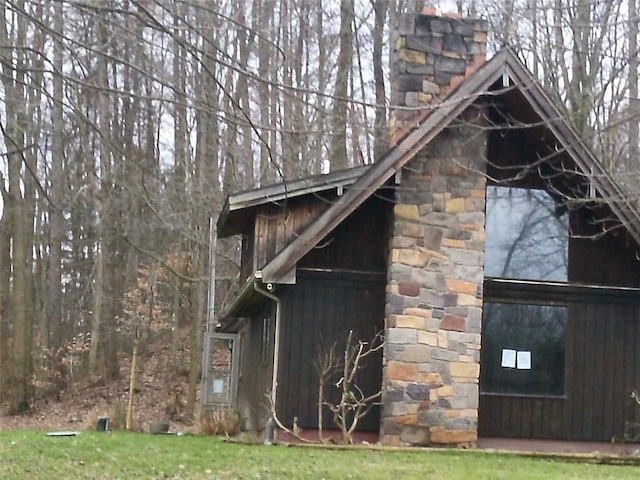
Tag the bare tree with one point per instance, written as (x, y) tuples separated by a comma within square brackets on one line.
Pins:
[(53, 317), (338, 152), (353, 404), (381, 129), (15, 82), (634, 100)]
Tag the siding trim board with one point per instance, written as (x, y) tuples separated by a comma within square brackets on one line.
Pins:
[(556, 293)]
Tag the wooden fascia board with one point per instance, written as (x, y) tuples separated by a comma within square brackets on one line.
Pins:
[(222, 217), (575, 147), (244, 296), (472, 88), (278, 192)]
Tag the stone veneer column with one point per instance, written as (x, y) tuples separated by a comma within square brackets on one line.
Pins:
[(434, 295), (431, 56), (436, 265)]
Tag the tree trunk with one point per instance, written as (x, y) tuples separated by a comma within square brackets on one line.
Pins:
[(21, 317), (57, 226), (195, 334), (338, 152), (245, 41), (95, 367), (14, 138), (265, 93), (107, 283), (323, 74), (634, 101), (5, 280), (381, 129), (132, 380)]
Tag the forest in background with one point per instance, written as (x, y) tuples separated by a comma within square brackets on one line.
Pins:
[(125, 123)]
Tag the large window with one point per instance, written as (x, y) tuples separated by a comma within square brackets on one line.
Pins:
[(523, 341), (527, 235), (523, 349)]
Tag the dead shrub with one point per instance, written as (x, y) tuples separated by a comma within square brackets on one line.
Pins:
[(219, 421)]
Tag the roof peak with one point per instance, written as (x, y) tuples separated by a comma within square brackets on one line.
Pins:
[(505, 67)]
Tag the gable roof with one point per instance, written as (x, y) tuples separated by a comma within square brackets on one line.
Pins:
[(503, 65), (233, 215)]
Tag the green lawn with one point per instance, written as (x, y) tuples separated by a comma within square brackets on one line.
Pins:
[(33, 455)]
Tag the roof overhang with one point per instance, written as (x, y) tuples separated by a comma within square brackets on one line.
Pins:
[(248, 302), (237, 207)]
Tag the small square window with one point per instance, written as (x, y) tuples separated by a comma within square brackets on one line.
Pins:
[(523, 349)]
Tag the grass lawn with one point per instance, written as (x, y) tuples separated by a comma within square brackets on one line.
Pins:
[(33, 455)]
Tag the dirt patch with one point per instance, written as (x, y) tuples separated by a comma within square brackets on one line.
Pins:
[(160, 395)]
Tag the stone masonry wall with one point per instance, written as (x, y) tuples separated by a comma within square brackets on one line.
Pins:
[(434, 294), (436, 265), (432, 55)]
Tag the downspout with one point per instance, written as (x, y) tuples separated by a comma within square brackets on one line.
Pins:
[(210, 327), (270, 430)]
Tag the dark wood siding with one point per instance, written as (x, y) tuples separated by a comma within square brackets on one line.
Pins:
[(277, 225), (255, 375), (247, 261), (359, 243), (320, 309), (602, 358), (596, 259), (602, 367)]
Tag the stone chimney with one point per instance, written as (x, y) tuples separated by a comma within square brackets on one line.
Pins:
[(432, 55), (434, 296)]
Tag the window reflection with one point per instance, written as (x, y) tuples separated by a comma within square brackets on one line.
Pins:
[(526, 236), (523, 349)]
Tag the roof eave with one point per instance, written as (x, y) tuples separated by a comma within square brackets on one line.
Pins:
[(238, 203), (239, 309)]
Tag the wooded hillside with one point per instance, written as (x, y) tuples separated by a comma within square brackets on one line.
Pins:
[(126, 122)]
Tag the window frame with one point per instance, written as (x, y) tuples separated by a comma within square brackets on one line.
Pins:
[(532, 302), (526, 291), (493, 241)]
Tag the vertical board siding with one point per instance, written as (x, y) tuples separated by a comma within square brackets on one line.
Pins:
[(320, 310), (602, 368), (596, 259), (360, 243), (247, 261), (277, 225), (255, 377)]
